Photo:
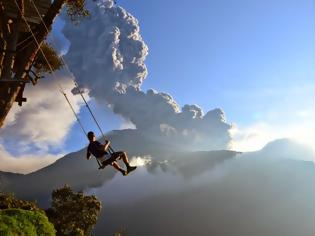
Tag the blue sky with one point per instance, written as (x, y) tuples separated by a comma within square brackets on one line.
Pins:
[(228, 53), (253, 59)]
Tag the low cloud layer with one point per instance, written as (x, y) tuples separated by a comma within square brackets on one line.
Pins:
[(256, 194), (107, 55)]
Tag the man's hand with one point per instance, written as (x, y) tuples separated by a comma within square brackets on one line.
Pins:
[(107, 143)]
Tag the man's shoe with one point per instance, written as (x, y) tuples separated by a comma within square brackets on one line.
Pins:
[(124, 172), (131, 168)]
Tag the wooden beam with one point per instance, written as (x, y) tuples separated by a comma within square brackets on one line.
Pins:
[(30, 12), (4, 33), (3, 21)]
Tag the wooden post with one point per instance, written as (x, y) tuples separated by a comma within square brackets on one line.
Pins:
[(11, 43), (4, 32)]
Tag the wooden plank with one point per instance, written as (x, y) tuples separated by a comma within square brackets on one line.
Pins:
[(30, 12), (13, 9)]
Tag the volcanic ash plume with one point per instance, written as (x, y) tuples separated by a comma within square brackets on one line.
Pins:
[(107, 52), (107, 55)]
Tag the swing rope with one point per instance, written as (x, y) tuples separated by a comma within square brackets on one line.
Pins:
[(111, 150), (71, 75), (75, 114), (62, 91)]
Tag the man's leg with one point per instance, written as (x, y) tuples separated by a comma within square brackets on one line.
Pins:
[(117, 167), (112, 161), (124, 157)]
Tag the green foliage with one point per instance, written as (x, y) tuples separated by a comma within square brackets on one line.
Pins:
[(22, 222), (73, 213), (20, 217), (76, 10), (52, 57), (9, 201)]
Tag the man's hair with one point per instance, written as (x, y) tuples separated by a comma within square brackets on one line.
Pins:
[(90, 135)]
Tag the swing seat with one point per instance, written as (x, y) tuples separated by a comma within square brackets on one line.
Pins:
[(108, 161)]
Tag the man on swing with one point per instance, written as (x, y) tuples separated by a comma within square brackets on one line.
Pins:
[(98, 150)]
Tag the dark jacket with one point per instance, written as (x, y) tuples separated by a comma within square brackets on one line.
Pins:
[(96, 149)]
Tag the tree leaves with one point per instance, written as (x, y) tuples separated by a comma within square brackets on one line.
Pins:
[(73, 213)]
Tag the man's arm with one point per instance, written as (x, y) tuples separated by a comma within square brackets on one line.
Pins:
[(88, 154), (106, 145)]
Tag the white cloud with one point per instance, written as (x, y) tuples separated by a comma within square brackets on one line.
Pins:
[(256, 136), (140, 160), (251, 138), (126, 124), (45, 120), (25, 163), (39, 127)]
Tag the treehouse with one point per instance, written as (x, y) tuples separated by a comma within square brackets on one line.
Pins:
[(23, 28)]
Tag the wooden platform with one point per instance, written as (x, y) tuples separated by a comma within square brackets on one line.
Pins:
[(31, 14)]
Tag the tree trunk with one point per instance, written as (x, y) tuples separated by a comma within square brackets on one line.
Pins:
[(8, 94)]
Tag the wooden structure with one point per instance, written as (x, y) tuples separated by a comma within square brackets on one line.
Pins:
[(30, 12), (18, 47)]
